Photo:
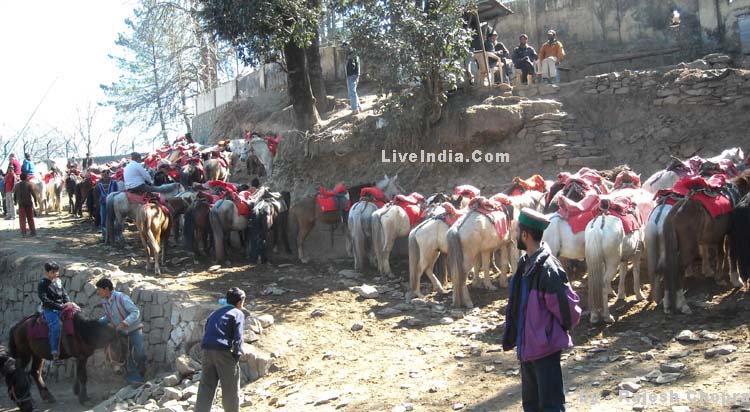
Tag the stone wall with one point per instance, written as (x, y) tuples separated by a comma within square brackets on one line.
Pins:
[(172, 322)]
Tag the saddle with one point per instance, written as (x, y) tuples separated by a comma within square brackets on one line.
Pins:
[(213, 184), (451, 215), (147, 197), (494, 210), (723, 167), (622, 208), (373, 194), (579, 214), (242, 201), (217, 154), (715, 194), (588, 178), (38, 328), (627, 178), (49, 176), (467, 191), (413, 205), (507, 204), (338, 199), (520, 186)]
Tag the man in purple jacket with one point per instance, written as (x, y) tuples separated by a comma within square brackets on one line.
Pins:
[(542, 308)]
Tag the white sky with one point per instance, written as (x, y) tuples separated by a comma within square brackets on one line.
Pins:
[(69, 40)]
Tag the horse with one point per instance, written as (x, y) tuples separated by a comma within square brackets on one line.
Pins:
[(266, 216), (88, 335), (360, 229), (19, 387), (257, 157), (563, 243), (190, 173), (198, 227), (687, 227), (52, 199), (739, 237), (655, 253), (509, 253), (153, 223), (224, 218), (179, 206), (473, 237), (665, 179), (216, 171), (84, 189), (306, 213), (119, 208), (71, 182)]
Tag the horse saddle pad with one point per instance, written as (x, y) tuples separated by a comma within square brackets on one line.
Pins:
[(48, 176), (451, 215), (579, 214), (622, 208), (627, 179), (38, 328), (467, 191), (713, 193), (535, 182), (143, 198), (413, 199), (374, 194), (724, 166), (332, 201)]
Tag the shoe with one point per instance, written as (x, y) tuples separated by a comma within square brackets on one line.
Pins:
[(33, 234)]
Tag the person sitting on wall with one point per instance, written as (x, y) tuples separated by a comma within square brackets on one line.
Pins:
[(551, 55), (524, 57)]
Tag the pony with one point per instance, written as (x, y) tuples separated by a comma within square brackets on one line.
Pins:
[(198, 227), (739, 237), (179, 206), (153, 223), (509, 253), (265, 216), (19, 387), (119, 208), (257, 157), (84, 190), (654, 244), (88, 336), (563, 243), (216, 171), (224, 218), (360, 229), (473, 237), (190, 173), (71, 183), (52, 199), (306, 213), (665, 179)]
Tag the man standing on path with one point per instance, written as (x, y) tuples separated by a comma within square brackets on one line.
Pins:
[(222, 348), (550, 56), (125, 316), (352, 77), (26, 197), (105, 186), (542, 309), (10, 182)]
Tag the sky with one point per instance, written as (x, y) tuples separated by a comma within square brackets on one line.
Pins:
[(63, 47)]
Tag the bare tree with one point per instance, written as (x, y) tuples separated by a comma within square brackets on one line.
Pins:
[(86, 128)]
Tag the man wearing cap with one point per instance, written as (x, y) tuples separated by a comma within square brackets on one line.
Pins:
[(222, 348), (550, 56), (524, 57), (489, 47), (542, 309), (105, 186)]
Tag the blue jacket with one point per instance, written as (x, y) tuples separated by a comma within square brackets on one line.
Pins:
[(542, 307), (27, 167), (118, 308), (224, 329)]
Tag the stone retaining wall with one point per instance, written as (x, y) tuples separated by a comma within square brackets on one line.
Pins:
[(172, 323)]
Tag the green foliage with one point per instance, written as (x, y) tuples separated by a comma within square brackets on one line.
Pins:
[(415, 48), (259, 29)]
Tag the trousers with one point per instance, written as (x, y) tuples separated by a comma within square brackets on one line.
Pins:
[(219, 366), (542, 385), (53, 323)]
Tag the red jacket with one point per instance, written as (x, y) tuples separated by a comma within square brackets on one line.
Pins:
[(10, 180)]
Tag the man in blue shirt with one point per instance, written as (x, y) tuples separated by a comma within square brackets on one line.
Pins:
[(28, 166), (125, 316), (222, 348)]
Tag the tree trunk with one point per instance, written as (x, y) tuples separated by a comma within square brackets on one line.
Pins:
[(204, 72), (182, 85), (300, 91), (314, 69), (157, 90)]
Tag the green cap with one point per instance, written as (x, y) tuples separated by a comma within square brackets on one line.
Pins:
[(533, 219)]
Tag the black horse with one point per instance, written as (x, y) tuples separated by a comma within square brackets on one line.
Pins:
[(190, 173), (71, 183), (19, 386), (270, 212)]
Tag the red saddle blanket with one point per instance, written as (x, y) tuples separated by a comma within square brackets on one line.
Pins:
[(373, 194), (48, 176), (706, 192), (411, 205), (467, 191), (119, 174), (622, 208), (627, 179), (494, 210), (535, 182), (579, 214), (589, 178), (38, 328), (143, 198), (212, 184), (451, 215), (327, 200)]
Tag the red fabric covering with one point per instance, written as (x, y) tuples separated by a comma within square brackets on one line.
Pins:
[(411, 205), (38, 329), (502, 199), (94, 178), (627, 179), (48, 176), (340, 188), (451, 214), (588, 178), (224, 185), (273, 143), (413, 199), (717, 205), (374, 193), (328, 204), (208, 197), (535, 182), (494, 210), (119, 174), (579, 214), (242, 208), (151, 161), (468, 191), (143, 198), (620, 207)]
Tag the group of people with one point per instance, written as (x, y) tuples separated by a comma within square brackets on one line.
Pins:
[(18, 190), (221, 344), (524, 57)]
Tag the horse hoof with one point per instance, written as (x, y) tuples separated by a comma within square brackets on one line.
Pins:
[(609, 319), (639, 297)]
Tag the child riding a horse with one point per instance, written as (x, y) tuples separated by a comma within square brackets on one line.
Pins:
[(53, 297)]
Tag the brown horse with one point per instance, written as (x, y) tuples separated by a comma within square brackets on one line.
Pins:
[(19, 387), (215, 170), (688, 230), (88, 335), (198, 227), (153, 223)]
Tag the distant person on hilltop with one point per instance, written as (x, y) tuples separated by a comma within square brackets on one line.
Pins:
[(352, 77), (524, 57), (550, 56)]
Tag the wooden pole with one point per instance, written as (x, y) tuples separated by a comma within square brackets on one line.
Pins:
[(484, 52)]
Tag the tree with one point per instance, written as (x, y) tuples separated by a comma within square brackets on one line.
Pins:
[(86, 129), (273, 31), (416, 45)]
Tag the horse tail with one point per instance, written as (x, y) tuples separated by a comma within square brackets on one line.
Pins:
[(217, 231), (414, 258), (596, 263), (12, 348), (456, 264), (671, 261), (109, 203), (188, 234), (151, 212), (357, 236)]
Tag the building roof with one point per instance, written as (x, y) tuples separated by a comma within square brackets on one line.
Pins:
[(492, 9)]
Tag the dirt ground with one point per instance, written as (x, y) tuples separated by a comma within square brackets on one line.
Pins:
[(410, 355)]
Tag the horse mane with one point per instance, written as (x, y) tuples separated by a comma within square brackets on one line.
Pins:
[(90, 330)]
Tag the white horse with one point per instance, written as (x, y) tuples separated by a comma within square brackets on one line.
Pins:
[(388, 223), (473, 237), (509, 253), (258, 147), (52, 198), (360, 228), (119, 208), (665, 179)]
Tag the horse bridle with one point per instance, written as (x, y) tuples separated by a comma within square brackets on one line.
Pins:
[(111, 358), (14, 397)]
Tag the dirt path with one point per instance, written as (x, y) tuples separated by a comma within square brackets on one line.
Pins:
[(411, 354)]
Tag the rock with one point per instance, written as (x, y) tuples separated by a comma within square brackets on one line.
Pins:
[(414, 322), (318, 313), (720, 350), (622, 90), (709, 335), (389, 312), (672, 367), (458, 406), (172, 394), (126, 393), (403, 307), (256, 363), (446, 321), (680, 408), (629, 386), (266, 320), (638, 407), (357, 327), (688, 336), (185, 366), (171, 380), (327, 398), (679, 355), (667, 378), (349, 274), (214, 268), (489, 368), (366, 291)]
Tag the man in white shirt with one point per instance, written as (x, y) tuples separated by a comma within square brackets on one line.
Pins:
[(137, 179)]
